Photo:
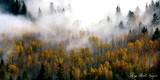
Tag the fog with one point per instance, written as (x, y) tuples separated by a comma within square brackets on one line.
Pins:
[(88, 11), (78, 15)]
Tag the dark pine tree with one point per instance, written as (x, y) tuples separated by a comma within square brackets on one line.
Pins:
[(2, 70), (19, 77), (108, 19), (131, 15), (39, 12), (152, 3), (157, 4), (24, 9), (10, 78), (25, 76), (2, 63), (51, 7), (155, 19), (121, 25), (156, 34), (41, 75), (16, 7), (60, 72), (72, 77), (144, 30), (146, 6), (118, 10)]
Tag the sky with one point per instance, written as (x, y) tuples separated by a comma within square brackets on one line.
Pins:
[(94, 10)]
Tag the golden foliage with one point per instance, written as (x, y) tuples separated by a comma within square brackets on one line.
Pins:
[(77, 72), (13, 69), (19, 48), (94, 38), (155, 58), (130, 44)]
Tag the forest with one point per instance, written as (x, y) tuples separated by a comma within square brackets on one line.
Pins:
[(134, 55)]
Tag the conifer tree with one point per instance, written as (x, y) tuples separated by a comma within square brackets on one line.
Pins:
[(24, 9), (41, 75), (60, 72)]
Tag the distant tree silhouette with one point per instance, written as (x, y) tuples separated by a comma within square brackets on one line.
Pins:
[(152, 3), (131, 15), (157, 4), (121, 25), (51, 7), (146, 6), (39, 12), (108, 19), (118, 10), (155, 19)]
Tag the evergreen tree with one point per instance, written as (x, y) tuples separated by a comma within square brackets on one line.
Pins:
[(24, 9), (108, 19), (10, 78), (16, 7), (60, 72), (118, 10), (2, 63), (131, 15), (41, 75), (152, 3), (39, 12), (156, 34), (121, 25), (72, 77), (146, 6), (144, 30), (2, 70), (25, 76), (155, 19), (157, 4), (19, 78), (51, 7), (137, 10)]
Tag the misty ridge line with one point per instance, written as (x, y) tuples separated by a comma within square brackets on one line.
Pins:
[(57, 24)]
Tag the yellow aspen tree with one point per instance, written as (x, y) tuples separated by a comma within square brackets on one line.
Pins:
[(155, 58), (92, 71), (47, 67), (84, 73), (13, 69), (29, 60), (130, 45), (19, 48), (138, 44), (62, 52), (77, 73)]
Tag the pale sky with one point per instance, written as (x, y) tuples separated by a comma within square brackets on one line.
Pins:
[(93, 10)]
